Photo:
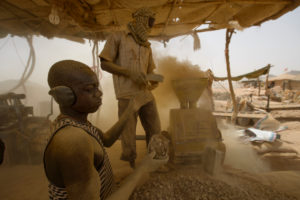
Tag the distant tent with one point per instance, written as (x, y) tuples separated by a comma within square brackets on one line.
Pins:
[(287, 81), (282, 77), (294, 72)]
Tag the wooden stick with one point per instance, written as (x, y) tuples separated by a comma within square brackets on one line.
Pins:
[(169, 15), (258, 82), (229, 33), (267, 79)]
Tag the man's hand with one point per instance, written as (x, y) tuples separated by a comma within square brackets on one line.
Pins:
[(152, 85), (140, 99), (149, 164)]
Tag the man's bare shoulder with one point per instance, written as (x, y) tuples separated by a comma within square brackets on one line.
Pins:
[(71, 140)]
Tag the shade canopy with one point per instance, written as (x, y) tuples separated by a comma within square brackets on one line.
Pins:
[(94, 19)]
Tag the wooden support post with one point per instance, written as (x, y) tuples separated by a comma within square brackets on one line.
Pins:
[(268, 104), (229, 33), (267, 78), (258, 83), (267, 93)]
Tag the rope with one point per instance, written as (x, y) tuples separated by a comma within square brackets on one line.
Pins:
[(96, 69), (168, 17), (51, 108), (93, 53), (17, 52), (96, 61), (31, 59)]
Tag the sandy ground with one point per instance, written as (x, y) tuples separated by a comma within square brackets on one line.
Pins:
[(28, 182)]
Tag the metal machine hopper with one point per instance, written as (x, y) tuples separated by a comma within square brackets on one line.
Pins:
[(192, 129)]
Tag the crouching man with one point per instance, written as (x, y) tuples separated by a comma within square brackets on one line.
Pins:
[(76, 163)]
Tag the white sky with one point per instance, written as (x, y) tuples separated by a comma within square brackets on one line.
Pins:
[(275, 42)]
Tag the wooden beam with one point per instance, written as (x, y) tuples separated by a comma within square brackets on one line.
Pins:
[(168, 18), (210, 2), (40, 2), (80, 12), (10, 8), (214, 2), (161, 37), (258, 82)]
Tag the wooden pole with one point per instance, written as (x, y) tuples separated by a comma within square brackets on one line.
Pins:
[(267, 93), (229, 33), (258, 83), (267, 79)]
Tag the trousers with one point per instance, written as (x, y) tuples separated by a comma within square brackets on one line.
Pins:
[(150, 121)]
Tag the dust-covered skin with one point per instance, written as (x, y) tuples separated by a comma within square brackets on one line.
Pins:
[(73, 156), (128, 56)]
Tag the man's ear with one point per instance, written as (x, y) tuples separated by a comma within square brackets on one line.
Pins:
[(63, 95)]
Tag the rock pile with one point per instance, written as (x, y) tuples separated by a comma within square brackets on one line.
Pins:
[(183, 187)]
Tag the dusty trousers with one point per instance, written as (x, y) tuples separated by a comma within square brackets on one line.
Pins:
[(150, 121)]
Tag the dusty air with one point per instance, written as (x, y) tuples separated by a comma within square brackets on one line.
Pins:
[(147, 100)]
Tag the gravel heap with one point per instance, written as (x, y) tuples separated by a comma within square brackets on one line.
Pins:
[(181, 187)]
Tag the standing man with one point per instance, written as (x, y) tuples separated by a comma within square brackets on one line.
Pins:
[(128, 56)]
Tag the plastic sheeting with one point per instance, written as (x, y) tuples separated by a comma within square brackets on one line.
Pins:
[(254, 74)]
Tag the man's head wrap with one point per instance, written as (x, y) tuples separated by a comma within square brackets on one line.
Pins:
[(143, 12), (139, 28)]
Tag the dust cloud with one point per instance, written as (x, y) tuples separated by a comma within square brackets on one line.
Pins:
[(238, 155), (165, 97), (172, 69), (241, 155), (107, 114)]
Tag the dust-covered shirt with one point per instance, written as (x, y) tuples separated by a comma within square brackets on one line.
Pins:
[(121, 49)]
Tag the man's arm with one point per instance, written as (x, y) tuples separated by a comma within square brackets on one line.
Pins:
[(110, 53), (150, 70), (75, 158), (114, 68)]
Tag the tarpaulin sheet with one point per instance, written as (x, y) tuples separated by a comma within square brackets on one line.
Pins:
[(254, 74)]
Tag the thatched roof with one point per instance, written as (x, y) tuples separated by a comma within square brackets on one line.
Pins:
[(93, 19)]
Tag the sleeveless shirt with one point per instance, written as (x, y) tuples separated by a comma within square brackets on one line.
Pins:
[(105, 171)]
